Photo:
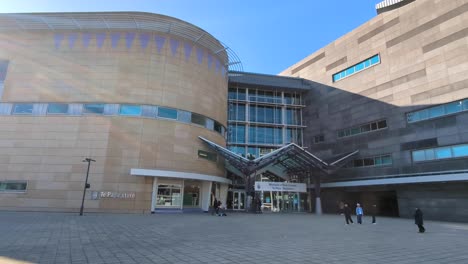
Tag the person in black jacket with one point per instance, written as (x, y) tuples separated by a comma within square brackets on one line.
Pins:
[(418, 220), (347, 213)]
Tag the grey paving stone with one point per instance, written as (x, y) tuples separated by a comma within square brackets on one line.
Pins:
[(238, 238)]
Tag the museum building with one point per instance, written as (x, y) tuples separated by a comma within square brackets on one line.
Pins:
[(378, 116)]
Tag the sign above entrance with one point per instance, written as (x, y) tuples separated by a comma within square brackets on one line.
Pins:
[(280, 186)]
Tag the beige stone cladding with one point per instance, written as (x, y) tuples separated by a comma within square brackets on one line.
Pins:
[(58, 66), (47, 152), (424, 55), (41, 72)]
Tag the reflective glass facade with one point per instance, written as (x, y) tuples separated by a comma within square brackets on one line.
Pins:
[(260, 121)]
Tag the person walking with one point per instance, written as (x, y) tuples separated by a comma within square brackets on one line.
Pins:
[(359, 213), (418, 220), (373, 212), (347, 213)]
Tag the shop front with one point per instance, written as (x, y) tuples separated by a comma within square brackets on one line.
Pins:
[(283, 196), (182, 191)]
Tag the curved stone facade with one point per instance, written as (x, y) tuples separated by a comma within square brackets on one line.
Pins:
[(109, 67)]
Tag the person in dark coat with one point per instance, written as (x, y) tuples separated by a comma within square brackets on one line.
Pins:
[(418, 220), (373, 212), (347, 213), (215, 206)]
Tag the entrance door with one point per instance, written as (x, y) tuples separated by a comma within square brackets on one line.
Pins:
[(238, 200)]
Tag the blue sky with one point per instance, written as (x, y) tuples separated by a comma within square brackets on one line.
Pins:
[(268, 36)]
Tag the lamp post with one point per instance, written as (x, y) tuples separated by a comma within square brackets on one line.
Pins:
[(86, 183)]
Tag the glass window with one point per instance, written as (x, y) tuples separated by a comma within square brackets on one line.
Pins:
[(436, 111), (358, 163), (454, 107), (238, 150), (198, 119), (97, 109), (386, 160), (218, 127), (355, 130), (360, 67), (378, 161), (460, 151), (382, 124), (375, 60), (465, 104), (365, 128), (443, 153), (130, 110), (423, 114), (429, 154), (23, 109), (168, 195), (232, 94), (418, 155), (368, 162), (167, 113), (373, 126), (341, 133), (241, 94), (57, 109), (13, 186)]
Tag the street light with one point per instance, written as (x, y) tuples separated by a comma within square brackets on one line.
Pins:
[(86, 183)]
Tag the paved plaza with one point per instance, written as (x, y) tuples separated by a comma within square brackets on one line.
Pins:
[(237, 238)]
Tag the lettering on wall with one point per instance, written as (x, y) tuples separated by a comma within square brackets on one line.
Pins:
[(96, 195)]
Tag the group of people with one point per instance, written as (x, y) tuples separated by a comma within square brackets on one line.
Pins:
[(359, 213), (418, 216)]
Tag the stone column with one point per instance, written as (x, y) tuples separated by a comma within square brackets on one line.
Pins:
[(318, 202), (205, 195)]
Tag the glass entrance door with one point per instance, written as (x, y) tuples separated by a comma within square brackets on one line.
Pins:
[(236, 200)]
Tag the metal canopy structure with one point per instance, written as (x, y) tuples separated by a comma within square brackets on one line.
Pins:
[(283, 162)]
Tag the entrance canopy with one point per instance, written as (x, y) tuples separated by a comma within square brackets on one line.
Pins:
[(283, 162)]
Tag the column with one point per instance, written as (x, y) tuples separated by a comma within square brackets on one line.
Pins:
[(223, 192), (318, 202), (205, 195), (154, 194)]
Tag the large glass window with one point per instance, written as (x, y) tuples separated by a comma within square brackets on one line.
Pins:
[(56, 109), (130, 110), (437, 111), (237, 94), (265, 114), (377, 125), (294, 135), (236, 112), (236, 133), (265, 96), (97, 109), (23, 109), (382, 160), (447, 152), (265, 135), (293, 116), (292, 98), (356, 68), (240, 150), (167, 113), (168, 195)]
